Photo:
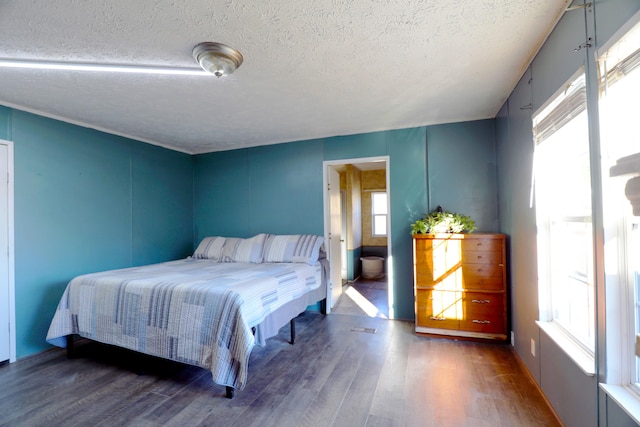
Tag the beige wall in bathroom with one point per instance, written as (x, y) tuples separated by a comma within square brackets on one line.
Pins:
[(371, 180)]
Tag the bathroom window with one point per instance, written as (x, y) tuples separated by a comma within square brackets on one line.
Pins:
[(379, 213)]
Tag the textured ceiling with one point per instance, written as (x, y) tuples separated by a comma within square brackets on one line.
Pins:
[(312, 68)]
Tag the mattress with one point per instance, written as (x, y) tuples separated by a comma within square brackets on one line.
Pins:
[(194, 311)]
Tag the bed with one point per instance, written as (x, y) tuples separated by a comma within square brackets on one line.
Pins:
[(207, 310)]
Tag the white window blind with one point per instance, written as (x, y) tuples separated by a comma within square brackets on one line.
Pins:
[(563, 214), (567, 106)]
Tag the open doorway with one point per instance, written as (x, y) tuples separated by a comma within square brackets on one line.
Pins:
[(358, 236)]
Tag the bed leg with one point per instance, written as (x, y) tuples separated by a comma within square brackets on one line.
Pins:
[(323, 306), (229, 392), (70, 346), (293, 330)]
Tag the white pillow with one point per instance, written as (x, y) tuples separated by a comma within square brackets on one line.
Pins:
[(244, 250), (302, 248), (210, 248)]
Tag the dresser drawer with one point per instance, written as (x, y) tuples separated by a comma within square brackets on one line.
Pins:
[(482, 277), (481, 304), (438, 309), (486, 324), (480, 257), (484, 244), (483, 312), (462, 276)]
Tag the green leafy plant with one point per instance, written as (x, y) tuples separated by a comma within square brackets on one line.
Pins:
[(441, 221)]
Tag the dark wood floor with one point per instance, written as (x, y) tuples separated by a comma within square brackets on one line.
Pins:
[(333, 375)]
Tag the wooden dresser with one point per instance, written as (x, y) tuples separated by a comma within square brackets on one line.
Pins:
[(460, 285)]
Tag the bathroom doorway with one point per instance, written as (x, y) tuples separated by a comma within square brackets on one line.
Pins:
[(363, 231)]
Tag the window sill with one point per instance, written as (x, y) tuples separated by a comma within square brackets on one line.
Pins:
[(584, 360), (625, 398)]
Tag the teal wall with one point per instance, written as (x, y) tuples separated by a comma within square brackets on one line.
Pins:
[(272, 189), (461, 165), (354, 266), (278, 188), (5, 123), (575, 396), (87, 201)]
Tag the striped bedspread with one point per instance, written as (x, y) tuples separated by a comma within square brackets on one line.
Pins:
[(194, 311)]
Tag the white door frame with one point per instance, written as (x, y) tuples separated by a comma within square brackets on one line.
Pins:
[(343, 235), (327, 214), (10, 250), (333, 236)]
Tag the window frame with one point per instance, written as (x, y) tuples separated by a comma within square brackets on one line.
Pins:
[(622, 376), (561, 108), (374, 214)]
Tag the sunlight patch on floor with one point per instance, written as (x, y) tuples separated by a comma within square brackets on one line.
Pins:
[(364, 303)]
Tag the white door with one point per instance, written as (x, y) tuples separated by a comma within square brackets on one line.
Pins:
[(333, 180), (5, 344), (343, 235)]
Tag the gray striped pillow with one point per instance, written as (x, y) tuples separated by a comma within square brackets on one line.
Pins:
[(302, 248), (244, 250), (210, 248)]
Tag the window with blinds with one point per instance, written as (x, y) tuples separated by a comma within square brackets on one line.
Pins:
[(619, 75), (562, 182), (567, 105)]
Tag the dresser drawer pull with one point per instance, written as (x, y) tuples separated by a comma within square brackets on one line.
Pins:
[(481, 301), (482, 322), (437, 318)]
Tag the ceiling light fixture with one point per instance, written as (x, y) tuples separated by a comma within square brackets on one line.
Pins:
[(217, 58), (214, 58), (88, 66)]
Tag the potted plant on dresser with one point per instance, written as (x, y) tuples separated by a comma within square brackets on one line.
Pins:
[(459, 278)]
